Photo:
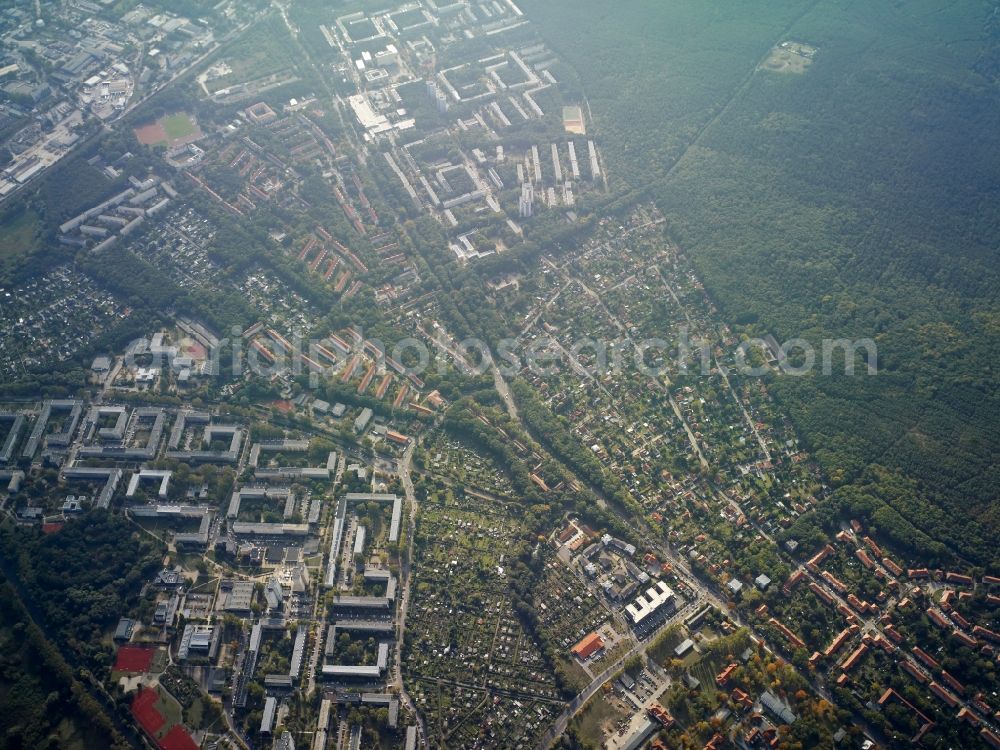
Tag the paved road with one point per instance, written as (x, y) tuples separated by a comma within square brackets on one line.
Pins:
[(403, 470), (559, 727)]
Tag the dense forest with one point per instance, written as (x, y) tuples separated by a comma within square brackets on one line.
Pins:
[(78, 582), (857, 199), (62, 593), (45, 706)]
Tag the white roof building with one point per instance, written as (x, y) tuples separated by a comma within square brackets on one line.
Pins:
[(648, 603)]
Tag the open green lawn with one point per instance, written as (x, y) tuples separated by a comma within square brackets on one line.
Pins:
[(196, 713), (716, 656), (597, 712), (159, 661), (662, 649), (17, 235), (178, 126), (169, 707), (573, 673)]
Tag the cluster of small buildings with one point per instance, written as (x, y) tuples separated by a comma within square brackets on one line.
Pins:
[(611, 563), (49, 319), (107, 92)]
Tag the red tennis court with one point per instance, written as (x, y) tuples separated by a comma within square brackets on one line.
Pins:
[(144, 710), (178, 739), (134, 659)]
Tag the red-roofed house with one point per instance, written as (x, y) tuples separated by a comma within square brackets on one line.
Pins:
[(587, 647), (723, 677), (830, 578), (990, 737), (937, 618), (821, 593), (943, 695), (986, 633), (911, 670), (872, 546), (854, 658), (958, 578), (819, 557), (926, 658), (740, 698), (864, 558), (837, 642), (793, 580), (964, 639), (954, 684), (966, 715), (892, 567), (894, 635)]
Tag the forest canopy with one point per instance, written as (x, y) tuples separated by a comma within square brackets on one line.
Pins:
[(856, 199)]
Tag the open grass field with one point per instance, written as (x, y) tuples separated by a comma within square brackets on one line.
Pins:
[(573, 672), (173, 130), (596, 720), (169, 707), (179, 126), (662, 649), (17, 235)]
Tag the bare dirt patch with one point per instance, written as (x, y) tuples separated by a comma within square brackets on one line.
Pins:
[(789, 57), (152, 134)]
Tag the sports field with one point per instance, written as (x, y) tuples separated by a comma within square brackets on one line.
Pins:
[(178, 739), (144, 710), (178, 126), (173, 130), (573, 120), (134, 659)]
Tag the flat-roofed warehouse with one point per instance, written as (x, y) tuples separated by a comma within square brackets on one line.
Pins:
[(240, 596)]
